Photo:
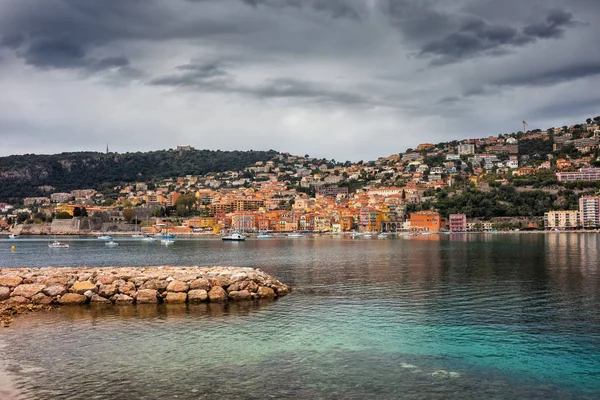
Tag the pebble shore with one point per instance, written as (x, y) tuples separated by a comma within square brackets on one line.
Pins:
[(31, 289)]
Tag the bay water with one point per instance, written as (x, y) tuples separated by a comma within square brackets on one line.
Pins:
[(495, 316)]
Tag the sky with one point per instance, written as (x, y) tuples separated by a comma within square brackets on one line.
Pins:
[(343, 79)]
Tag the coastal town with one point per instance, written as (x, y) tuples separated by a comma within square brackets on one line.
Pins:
[(412, 191)]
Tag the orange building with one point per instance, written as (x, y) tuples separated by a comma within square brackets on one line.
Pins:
[(426, 221)]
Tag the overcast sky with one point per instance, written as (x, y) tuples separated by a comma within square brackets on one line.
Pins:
[(343, 79)]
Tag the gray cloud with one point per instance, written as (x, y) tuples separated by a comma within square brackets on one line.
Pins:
[(333, 8), (552, 76), (213, 77)]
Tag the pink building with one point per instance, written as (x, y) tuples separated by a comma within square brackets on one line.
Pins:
[(457, 223)]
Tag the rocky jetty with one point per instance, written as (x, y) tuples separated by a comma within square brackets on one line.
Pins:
[(131, 285)]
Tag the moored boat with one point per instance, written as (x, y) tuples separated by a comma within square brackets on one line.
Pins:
[(295, 235), (105, 237), (58, 245), (234, 237), (112, 243)]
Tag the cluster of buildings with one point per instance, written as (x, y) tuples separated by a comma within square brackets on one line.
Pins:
[(290, 193), (587, 216)]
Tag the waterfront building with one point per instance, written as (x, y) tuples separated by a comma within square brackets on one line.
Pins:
[(426, 221), (563, 219), (589, 211), (457, 222)]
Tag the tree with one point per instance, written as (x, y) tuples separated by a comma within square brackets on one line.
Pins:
[(129, 214), (588, 121), (185, 204)]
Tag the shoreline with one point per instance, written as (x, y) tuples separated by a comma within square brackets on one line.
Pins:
[(24, 290)]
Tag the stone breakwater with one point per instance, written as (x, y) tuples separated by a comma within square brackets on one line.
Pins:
[(134, 285)]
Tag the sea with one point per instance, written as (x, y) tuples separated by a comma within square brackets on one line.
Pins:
[(461, 316)]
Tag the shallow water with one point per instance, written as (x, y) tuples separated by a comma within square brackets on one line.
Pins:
[(439, 317)]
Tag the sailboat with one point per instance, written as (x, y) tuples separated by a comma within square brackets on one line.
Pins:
[(166, 238)]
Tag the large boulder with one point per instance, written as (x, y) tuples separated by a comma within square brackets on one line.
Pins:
[(217, 294), (10, 280), (96, 298), (123, 299), (240, 295), (107, 291), (200, 284), (55, 290), (4, 293), (197, 295), (18, 300), (82, 287), (265, 292), (106, 279), (176, 297), (72, 298), (28, 290), (127, 288), (178, 286), (146, 296), (41, 298)]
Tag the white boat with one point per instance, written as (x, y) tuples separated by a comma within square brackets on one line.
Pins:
[(112, 243), (234, 237), (295, 235), (58, 245), (105, 237), (382, 236), (264, 236), (357, 234), (148, 239), (138, 236), (13, 236), (166, 241)]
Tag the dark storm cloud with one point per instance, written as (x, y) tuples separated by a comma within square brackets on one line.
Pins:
[(333, 8), (213, 77), (552, 76), (449, 37)]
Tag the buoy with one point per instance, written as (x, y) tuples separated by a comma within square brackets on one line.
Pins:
[(12, 248)]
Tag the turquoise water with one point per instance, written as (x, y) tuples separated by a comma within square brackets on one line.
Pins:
[(449, 317)]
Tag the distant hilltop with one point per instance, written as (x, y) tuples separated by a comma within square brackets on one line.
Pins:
[(35, 175)]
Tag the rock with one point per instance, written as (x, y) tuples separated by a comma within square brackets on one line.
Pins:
[(150, 284), (82, 287), (265, 292), (238, 277), (18, 300), (88, 294), (217, 294), (57, 280), (55, 290), (107, 291), (282, 290), (176, 297), (128, 288), (178, 286), (41, 298), (200, 284), (28, 290), (122, 299), (96, 298), (240, 295), (10, 280), (223, 280), (72, 298), (138, 280), (197, 295), (106, 279), (251, 286), (145, 296), (4, 293)]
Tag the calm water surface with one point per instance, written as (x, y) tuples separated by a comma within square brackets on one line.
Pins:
[(440, 317)]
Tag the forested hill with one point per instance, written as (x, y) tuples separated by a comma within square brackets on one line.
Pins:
[(24, 175)]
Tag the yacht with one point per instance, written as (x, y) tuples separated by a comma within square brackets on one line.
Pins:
[(13, 236), (148, 239), (382, 236), (357, 235), (137, 236), (105, 237), (234, 237), (58, 245), (112, 243), (295, 235), (264, 236)]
